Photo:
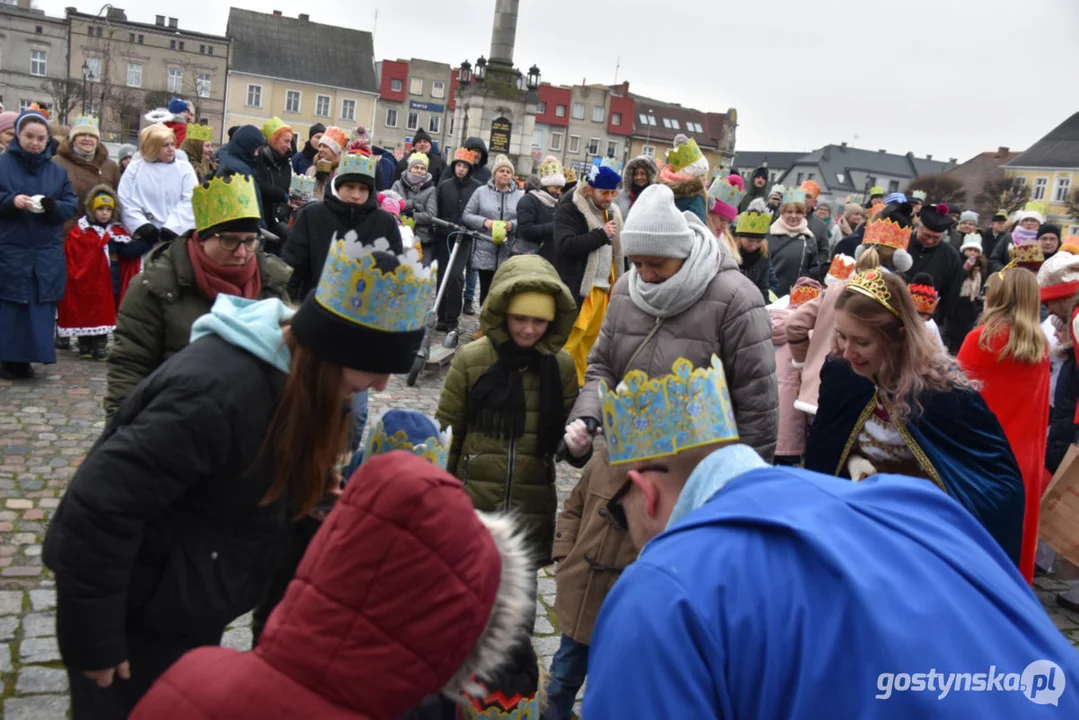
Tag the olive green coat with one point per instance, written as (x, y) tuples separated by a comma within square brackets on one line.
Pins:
[(155, 317), (500, 474)]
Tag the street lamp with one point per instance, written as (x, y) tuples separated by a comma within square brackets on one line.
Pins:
[(520, 81), (481, 69), (85, 83), (464, 74), (533, 77)]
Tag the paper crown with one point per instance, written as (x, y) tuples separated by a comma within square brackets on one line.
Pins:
[(812, 188), (887, 233), (925, 298), (463, 154), (609, 162), (802, 294), (222, 200), (35, 107), (871, 284), (1037, 206), (1026, 253), (753, 224), (794, 195), (335, 138), (645, 419), (919, 195), (355, 289), (548, 169), (302, 185), (1002, 214), (357, 164), (684, 155), (722, 190), (876, 190), (570, 173), (494, 707), (273, 126), (434, 449), (842, 267), (84, 121), (196, 131)]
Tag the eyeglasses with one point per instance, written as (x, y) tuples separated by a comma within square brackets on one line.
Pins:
[(614, 506), (229, 243)]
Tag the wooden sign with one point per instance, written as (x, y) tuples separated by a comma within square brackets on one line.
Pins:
[(1059, 526), (501, 130)]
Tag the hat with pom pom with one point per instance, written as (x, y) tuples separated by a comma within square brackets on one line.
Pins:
[(550, 173), (724, 196), (936, 218)]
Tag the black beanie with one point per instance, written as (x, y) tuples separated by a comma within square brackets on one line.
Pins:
[(421, 134), (760, 172), (1047, 228), (315, 130)]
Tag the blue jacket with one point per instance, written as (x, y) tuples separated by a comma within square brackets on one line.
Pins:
[(783, 593), (32, 245)]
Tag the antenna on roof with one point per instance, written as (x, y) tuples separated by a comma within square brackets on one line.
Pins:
[(617, 66), (374, 27)]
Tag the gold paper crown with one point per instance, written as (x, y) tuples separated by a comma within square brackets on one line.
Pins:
[(203, 133), (434, 449), (571, 174), (753, 224), (683, 156), (357, 164), (887, 233), (802, 294), (876, 190), (645, 419), (222, 200), (549, 169), (919, 195), (871, 284), (272, 126), (1027, 253), (925, 297), (842, 267)]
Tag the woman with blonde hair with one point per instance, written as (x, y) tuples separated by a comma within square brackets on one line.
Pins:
[(892, 401), (155, 190), (1008, 356)]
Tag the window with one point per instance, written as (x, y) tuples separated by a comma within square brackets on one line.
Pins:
[(840, 178), (140, 39), (202, 85), (348, 110), (93, 64), (652, 120), (612, 148), (176, 80), (210, 48), (772, 177), (131, 37), (675, 125), (292, 101), (181, 46), (574, 144), (134, 75), (438, 89), (556, 141), (37, 29), (593, 146), (872, 181), (202, 49), (413, 121), (415, 86), (541, 109), (560, 111), (1064, 186), (666, 123), (893, 185), (172, 44), (434, 124), (254, 96), (451, 126), (322, 105), (97, 31), (598, 113), (391, 117), (578, 111), (697, 127), (39, 62), (24, 105), (1021, 181), (397, 85), (649, 151), (644, 118), (616, 119), (813, 176), (799, 180), (1040, 184)]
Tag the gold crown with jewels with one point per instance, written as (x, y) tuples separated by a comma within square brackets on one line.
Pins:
[(222, 200), (871, 284)]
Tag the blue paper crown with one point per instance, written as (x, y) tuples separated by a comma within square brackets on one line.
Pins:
[(645, 419), (794, 195), (85, 121), (435, 449), (723, 191), (302, 185), (352, 287), (608, 162), (602, 177), (357, 164)]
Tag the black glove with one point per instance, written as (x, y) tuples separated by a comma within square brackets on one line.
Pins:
[(48, 204), (166, 235), (146, 232)]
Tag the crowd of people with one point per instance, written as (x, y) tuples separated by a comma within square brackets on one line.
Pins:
[(868, 407)]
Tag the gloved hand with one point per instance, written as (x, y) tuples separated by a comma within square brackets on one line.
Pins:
[(166, 235), (147, 232), (579, 434)]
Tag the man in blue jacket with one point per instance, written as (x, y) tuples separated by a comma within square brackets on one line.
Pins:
[(768, 592)]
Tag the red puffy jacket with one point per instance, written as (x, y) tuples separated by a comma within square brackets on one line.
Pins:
[(389, 600)]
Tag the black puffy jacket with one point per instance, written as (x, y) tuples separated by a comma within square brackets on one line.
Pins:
[(274, 176), (161, 529), (453, 195), (535, 226)]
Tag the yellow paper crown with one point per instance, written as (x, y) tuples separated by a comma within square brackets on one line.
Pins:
[(1037, 206), (753, 224), (222, 200), (203, 133), (571, 175), (887, 233), (871, 284), (645, 419), (272, 126), (684, 155), (876, 190), (434, 449)]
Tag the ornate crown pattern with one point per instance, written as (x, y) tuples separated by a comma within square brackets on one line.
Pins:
[(1027, 253), (925, 298), (224, 199), (753, 223), (684, 155), (887, 233), (357, 164), (355, 289), (794, 195), (871, 284), (722, 190), (842, 267), (435, 449), (195, 131), (500, 707), (84, 121), (919, 195), (802, 294), (645, 419), (302, 185), (548, 169), (610, 162)]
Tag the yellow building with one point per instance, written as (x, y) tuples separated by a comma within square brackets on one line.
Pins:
[(1050, 168), (301, 71)]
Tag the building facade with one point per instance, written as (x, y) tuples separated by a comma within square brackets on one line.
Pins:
[(412, 95), (33, 61), (552, 122), (778, 163), (125, 68), (1050, 168), (301, 71)]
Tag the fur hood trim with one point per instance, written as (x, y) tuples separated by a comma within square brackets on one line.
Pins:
[(687, 188), (641, 161), (513, 606), (101, 154), (105, 189)]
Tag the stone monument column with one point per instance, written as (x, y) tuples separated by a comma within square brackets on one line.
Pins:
[(504, 32)]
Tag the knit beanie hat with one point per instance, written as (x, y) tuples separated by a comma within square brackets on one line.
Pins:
[(853, 208), (1028, 215), (971, 241), (502, 161), (7, 120), (1058, 276), (177, 106), (532, 304), (896, 197), (315, 130), (761, 172), (420, 159), (1049, 229), (656, 227), (968, 215)]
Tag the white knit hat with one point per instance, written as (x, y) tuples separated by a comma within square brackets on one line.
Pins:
[(1058, 276), (550, 173), (971, 241), (656, 227), (1028, 214)]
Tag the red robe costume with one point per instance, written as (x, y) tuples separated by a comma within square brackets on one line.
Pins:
[(1018, 394), (88, 307)]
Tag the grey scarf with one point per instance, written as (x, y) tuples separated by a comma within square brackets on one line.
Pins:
[(544, 197), (683, 289), (83, 155)]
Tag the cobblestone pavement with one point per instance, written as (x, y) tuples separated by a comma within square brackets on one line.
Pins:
[(47, 425)]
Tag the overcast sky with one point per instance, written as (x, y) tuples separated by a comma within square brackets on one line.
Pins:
[(947, 77)]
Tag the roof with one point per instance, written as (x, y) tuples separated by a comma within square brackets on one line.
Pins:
[(294, 49), (676, 113), (775, 160), (983, 166), (836, 160), (1058, 149), (118, 17)]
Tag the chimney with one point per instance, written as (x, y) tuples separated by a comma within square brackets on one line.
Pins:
[(173, 23), (116, 14), (504, 32), (843, 145), (623, 89), (159, 20), (305, 17), (277, 13), (1002, 150), (953, 161), (928, 157), (883, 151)]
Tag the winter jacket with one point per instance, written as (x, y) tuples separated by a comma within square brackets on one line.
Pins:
[(689, 196), (755, 266), (85, 175), (154, 320), (1063, 431), (626, 198), (809, 352), (421, 204), (753, 192), (239, 155), (179, 128), (849, 245), (946, 268), (792, 256), (162, 530), (729, 321), (791, 440), (318, 223), (157, 194), (452, 196), (436, 166), (575, 240), (535, 225), (480, 172), (989, 241), (822, 256), (273, 172), (1000, 254), (591, 550), (487, 203), (501, 474), (32, 244)]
